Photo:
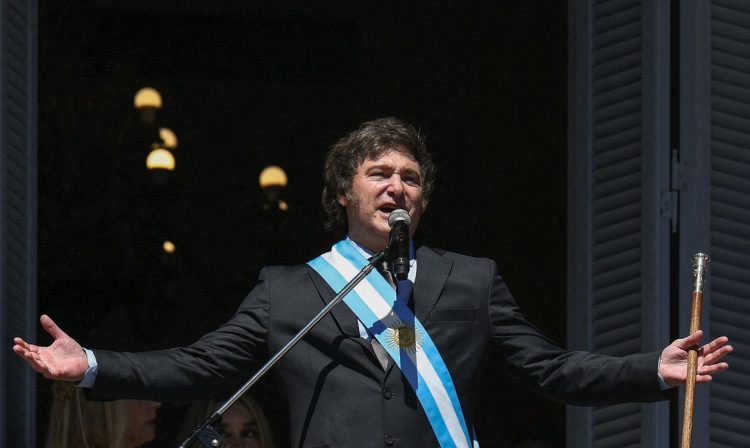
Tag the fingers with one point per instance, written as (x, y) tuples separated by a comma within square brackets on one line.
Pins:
[(51, 327), (714, 345), (689, 341), (22, 347), (33, 360), (21, 344), (711, 354), (30, 354), (716, 355), (705, 374), (36, 362), (712, 369)]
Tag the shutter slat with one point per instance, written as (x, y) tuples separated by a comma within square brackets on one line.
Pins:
[(726, 10), (729, 70), (615, 67), (616, 223), (621, 160), (616, 426), (629, 75), (730, 121), (618, 289), (614, 250), (607, 8), (627, 18), (616, 206)]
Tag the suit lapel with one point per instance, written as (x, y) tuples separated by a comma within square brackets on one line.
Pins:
[(346, 322), (432, 272), (345, 319)]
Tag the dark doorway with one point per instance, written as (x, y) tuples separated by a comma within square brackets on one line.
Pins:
[(245, 86)]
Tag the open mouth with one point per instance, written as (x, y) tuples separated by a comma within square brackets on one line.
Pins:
[(388, 209)]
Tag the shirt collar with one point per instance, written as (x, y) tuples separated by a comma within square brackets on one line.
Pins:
[(367, 253)]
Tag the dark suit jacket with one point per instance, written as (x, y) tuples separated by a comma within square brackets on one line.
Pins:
[(338, 393)]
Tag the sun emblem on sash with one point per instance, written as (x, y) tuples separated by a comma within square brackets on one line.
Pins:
[(404, 337)]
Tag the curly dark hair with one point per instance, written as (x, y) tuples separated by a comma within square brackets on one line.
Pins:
[(369, 141)]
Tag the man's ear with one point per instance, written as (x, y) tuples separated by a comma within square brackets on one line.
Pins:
[(342, 201)]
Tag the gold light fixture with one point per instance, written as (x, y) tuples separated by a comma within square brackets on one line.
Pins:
[(168, 138), (272, 176), (147, 101), (147, 97), (160, 159), (272, 180), (168, 247)]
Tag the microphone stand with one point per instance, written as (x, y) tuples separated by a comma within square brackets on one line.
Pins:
[(205, 434)]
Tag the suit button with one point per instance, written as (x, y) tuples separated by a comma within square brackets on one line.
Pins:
[(389, 440), (387, 394)]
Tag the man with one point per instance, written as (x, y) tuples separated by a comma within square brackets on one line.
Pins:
[(387, 367)]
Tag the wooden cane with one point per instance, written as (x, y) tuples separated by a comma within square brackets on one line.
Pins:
[(700, 270)]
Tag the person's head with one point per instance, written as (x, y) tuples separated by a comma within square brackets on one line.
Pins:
[(75, 422), (384, 164), (243, 425), (141, 418)]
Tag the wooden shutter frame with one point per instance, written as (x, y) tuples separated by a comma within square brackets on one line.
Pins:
[(655, 205), (18, 168)]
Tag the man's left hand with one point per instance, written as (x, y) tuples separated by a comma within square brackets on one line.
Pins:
[(674, 359)]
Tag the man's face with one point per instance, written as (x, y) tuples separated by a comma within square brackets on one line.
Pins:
[(393, 180)]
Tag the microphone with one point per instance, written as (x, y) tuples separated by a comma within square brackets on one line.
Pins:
[(398, 246)]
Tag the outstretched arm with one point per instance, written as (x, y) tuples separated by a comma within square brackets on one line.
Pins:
[(673, 360), (64, 359)]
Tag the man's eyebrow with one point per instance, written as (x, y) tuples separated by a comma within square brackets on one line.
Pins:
[(380, 166), (390, 166), (410, 170)]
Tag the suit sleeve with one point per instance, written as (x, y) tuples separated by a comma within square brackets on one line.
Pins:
[(572, 377), (226, 355)]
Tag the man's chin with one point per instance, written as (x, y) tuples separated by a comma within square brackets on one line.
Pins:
[(379, 225), (379, 237), (384, 231), (383, 215)]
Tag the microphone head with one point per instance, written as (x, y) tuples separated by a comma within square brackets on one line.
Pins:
[(399, 215)]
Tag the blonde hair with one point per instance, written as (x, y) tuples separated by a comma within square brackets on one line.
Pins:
[(77, 423), (198, 412)]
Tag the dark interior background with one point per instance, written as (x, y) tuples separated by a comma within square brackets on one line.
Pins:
[(249, 85)]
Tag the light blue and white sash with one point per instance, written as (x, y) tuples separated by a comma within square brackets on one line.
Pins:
[(394, 325)]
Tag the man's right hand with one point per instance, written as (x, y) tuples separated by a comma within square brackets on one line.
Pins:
[(63, 360)]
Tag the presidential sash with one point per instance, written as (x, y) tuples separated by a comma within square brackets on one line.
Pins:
[(394, 325)]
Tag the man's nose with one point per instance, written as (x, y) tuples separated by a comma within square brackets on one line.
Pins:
[(396, 185)]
